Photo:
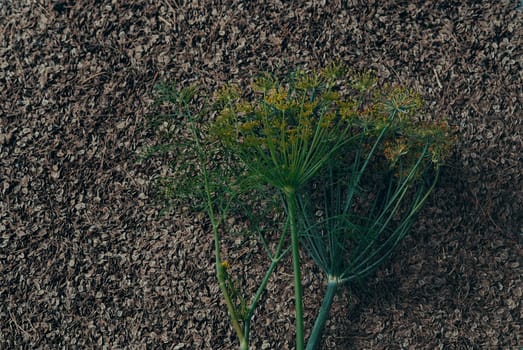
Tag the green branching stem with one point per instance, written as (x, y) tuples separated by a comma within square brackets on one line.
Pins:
[(215, 223), (275, 259)]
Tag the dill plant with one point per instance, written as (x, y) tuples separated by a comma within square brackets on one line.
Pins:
[(209, 177), (352, 162), (369, 194)]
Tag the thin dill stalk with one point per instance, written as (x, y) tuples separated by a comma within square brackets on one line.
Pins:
[(298, 304), (275, 259)]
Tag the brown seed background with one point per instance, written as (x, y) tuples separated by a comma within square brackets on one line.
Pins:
[(87, 262)]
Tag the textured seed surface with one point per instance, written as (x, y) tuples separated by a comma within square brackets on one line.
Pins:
[(87, 262)]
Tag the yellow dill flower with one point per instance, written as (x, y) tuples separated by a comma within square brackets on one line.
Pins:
[(226, 114), (442, 143), (401, 149), (249, 126), (369, 116), (292, 134), (394, 150), (363, 81), (227, 94), (263, 83), (331, 96), (225, 264), (252, 141), (327, 120), (305, 131), (279, 98), (244, 107), (401, 101), (307, 109), (333, 71), (387, 151), (305, 122), (306, 81), (348, 110), (269, 132)]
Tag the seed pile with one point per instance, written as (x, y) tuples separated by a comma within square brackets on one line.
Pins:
[(85, 259)]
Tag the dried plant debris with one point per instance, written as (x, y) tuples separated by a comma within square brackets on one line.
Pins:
[(87, 261)]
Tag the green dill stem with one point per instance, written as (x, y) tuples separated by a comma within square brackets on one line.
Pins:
[(228, 301), (298, 304), (355, 180), (323, 314), (276, 257), (247, 322), (215, 224)]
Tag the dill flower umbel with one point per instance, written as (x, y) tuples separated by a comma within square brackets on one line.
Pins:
[(287, 131)]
